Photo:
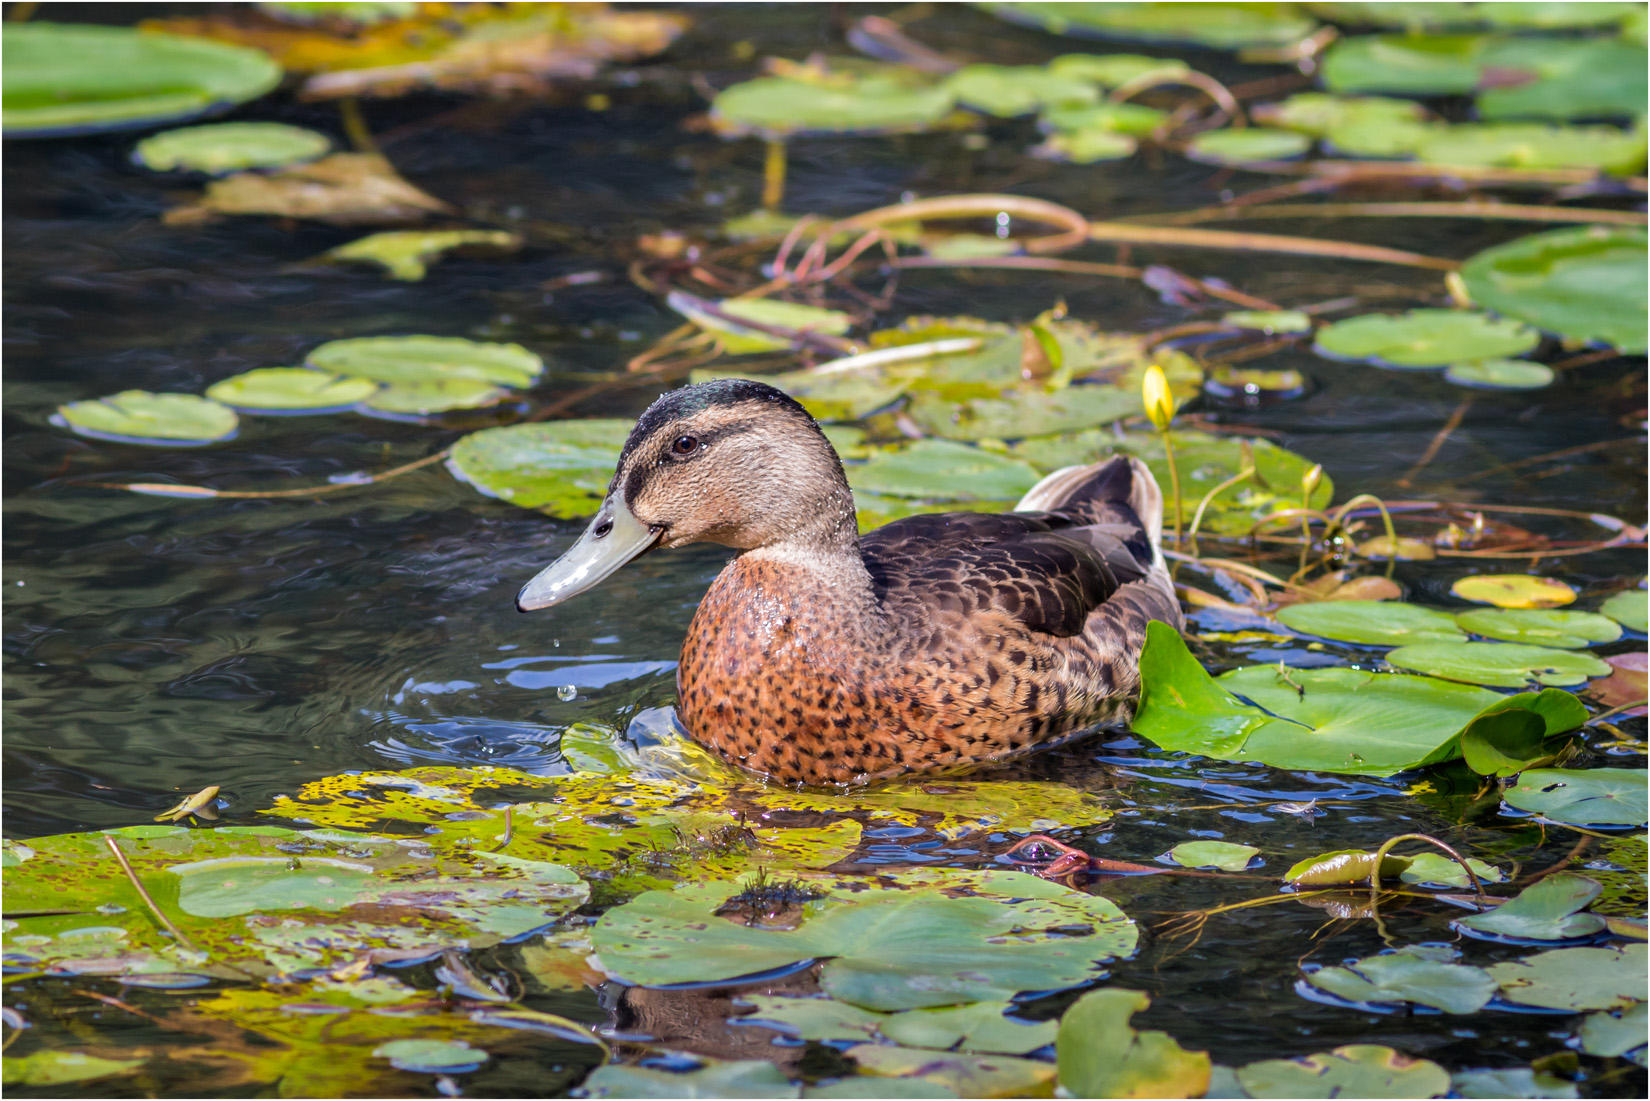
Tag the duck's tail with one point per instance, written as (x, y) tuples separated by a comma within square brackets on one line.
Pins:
[(1118, 495)]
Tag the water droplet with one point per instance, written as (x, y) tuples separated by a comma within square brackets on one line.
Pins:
[(567, 693)]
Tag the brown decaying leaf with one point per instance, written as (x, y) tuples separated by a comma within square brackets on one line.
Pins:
[(1625, 685), (343, 189)]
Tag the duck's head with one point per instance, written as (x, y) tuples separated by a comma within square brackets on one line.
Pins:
[(733, 462)]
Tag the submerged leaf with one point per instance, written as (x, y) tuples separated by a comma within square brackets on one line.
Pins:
[(343, 189)]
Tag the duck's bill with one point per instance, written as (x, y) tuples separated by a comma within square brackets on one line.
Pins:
[(613, 538)]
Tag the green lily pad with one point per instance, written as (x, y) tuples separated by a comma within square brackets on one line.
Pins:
[(1530, 145), (1357, 1070), (1582, 797), (1631, 609), (943, 470), (1248, 145), (1100, 1055), (1424, 338), (291, 390), (1342, 868), (1028, 412), (738, 340), (1513, 1082), (1446, 15), (429, 396), (139, 416), (562, 467), (1079, 146), (1269, 321), (361, 13), (63, 78), (1584, 283), (1440, 870), (1513, 590), (878, 941), (1500, 664), (406, 254), (409, 359), (981, 1028), (1222, 26), (1500, 374), (879, 100), (741, 1078), (1116, 70), (875, 1088), (1357, 126), (431, 1056), (815, 1018), (1541, 626), (1505, 743), (60, 1068), (1333, 719), (1575, 979), (1117, 118), (964, 1075), (1611, 1034), (1371, 622), (1548, 909), (1009, 90), (834, 396), (1213, 854), (231, 147), (1408, 976)]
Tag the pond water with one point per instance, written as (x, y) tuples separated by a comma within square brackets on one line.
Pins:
[(155, 646)]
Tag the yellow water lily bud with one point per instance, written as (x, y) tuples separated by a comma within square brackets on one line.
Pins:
[(1155, 396), (1310, 480)]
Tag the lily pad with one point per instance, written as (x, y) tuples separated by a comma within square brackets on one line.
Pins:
[(1342, 868), (1024, 412), (943, 470), (1582, 797), (1584, 283), (738, 340), (1222, 26), (1213, 854), (741, 1078), (1247, 145), (63, 78), (562, 468), (424, 397), (1086, 146), (1408, 976), (1631, 609), (1359, 126), (422, 359), (1513, 590), (1116, 70), (139, 416), (1531, 145), (1331, 719), (1505, 743), (988, 945), (964, 1075), (880, 100), (1500, 374), (1009, 90), (406, 254), (982, 1028), (1424, 338), (1357, 1070), (59, 1068), (1500, 664), (1269, 321), (1371, 622), (291, 390), (1512, 1082), (1439, 870), (1612, 1034), (1100, 1055), (230, 147), (1548, 909), (1118, 118), (431, 1056), (1575, 979), (1541, 627)]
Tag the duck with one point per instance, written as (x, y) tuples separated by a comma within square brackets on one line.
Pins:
[(820, 657)]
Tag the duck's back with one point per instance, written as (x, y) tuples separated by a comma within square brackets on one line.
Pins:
[(983, 636)]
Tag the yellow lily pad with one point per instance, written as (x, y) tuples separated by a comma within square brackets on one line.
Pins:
[(1512, 590)]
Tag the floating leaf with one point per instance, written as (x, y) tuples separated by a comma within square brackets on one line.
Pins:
[(1360, 126), (1086, 146), (1009, 90), (1611, 1034), (743, 1078), (59, 1068), (562, 467), (738, 340), (1247, 146), (431, 1056), (1504, 743), (964, 1075), (230, 147), (1403, 549), (1440, 870), (1582, 797), (1269, 321), (291, 390), (943, 470), (1631, 609), (1335, 720), (343, 189), (1500, 374), (1357, 1070), (1213, 854), (1408, 976), (1548, 909), (1341, 868), (1540, 627), (879, 100), (1223, 26), (138, 416), (63, 78), (418, 399), (815, 1018), (1500, 664), (1028, 412), (1424, 338), (1513, 1082), (1116, 70), (1114, 118), (1371, 622), (406, 254), (1511, 590), (1584, 283), (878, 1089), (1575, 979), (1530, 145), (979, 1028), (409, 359), (877, 941), (1100, 1055)]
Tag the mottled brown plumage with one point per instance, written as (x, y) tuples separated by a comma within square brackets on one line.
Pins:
[(820, 657)]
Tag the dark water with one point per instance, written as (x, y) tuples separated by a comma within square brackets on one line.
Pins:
[(154, 646)]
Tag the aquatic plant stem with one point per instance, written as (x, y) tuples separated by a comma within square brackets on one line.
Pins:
[(1197, 518), (1386, 847), (168, 489), (1339, 515), (1438, 440), (773, 174), (355, 125), (1174, 482), (1489, 211), (143, 893)]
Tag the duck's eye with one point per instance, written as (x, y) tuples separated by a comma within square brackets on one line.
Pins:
[(685, 445), (603, 528)]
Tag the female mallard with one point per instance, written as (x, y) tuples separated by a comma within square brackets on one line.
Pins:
[(820, 657)]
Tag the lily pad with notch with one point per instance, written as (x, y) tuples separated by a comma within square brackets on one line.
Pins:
[(1541, 626), (1499, 664), (1371, 622), (1223, 855), (291, 390), (1551, 908), (1575, 979), (1424, 338), (1417, 975), (1583, 283), (943, 470), (143, 417), (1582, 797), (231, 147), (1100, 1054), (1357, 1070), (562, 468), (420, 359)]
